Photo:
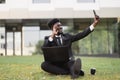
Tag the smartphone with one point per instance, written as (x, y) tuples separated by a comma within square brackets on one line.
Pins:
[(94, 13), (97, 17)]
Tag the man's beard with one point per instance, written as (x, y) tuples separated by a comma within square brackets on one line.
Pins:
[(59, 33)]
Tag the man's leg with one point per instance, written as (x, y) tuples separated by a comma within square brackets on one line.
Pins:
[(51, 68), (75, 68)]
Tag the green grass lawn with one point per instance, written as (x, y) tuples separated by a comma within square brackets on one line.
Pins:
[(28, 68)]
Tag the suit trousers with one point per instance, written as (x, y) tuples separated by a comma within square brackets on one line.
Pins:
[(58, 68)]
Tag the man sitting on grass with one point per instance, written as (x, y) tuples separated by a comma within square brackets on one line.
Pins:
[(72, 67)]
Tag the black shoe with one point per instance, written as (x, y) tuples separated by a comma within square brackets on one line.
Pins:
[(82, 73), (75, 69)]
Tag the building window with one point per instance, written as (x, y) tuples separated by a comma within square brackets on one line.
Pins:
[(86, 1), (41, 1), (2, 1)]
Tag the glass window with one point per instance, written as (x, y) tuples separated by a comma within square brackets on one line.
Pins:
[(2, 1), (86, 1), (41, 1)]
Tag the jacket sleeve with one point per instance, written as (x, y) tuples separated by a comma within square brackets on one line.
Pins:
[(45, 41), (80, 35), (48, 43)]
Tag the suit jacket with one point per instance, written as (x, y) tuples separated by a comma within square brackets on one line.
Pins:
[(67, 39)]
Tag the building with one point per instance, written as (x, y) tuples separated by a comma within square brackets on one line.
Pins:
[(23, 23)]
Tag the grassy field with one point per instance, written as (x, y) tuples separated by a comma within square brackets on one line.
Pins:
[(28, 68)]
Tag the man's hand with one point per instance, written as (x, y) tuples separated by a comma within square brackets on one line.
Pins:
[(96, 20), (54, 32)]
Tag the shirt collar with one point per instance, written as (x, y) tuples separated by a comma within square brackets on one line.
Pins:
[(57, 36)]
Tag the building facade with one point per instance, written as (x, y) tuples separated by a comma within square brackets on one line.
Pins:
[(23, 24)]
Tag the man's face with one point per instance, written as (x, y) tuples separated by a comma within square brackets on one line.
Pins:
[(57, 27)]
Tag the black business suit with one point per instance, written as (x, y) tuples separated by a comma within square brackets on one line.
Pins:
[(67, 39)]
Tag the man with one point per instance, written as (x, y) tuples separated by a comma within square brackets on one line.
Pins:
[(72, 67)]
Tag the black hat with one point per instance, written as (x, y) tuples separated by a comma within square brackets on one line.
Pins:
[(52, 22)]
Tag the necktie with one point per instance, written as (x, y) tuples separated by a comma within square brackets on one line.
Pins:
[(59, 41)]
